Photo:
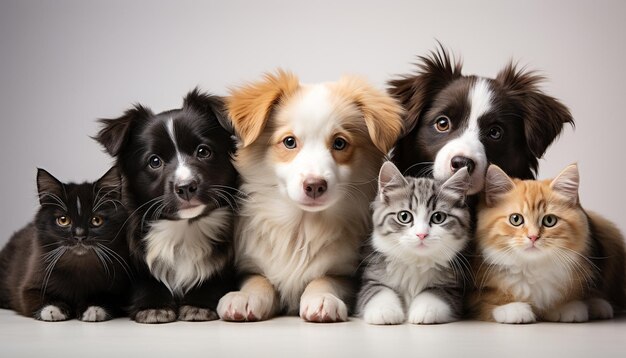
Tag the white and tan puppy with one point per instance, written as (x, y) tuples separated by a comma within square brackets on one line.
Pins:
[(308, 156)]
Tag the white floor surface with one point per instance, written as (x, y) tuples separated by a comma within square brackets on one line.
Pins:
[(291, 337)]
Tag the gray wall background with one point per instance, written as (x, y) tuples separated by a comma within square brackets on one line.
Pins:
[(65, 63)]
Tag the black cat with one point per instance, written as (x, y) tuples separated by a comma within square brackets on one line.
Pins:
[(71, 261), (180, 189)]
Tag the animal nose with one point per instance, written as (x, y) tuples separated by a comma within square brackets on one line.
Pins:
[(533, 238), (422, 236), (79, 238), (186, 191), (459, 162), (314, 187)]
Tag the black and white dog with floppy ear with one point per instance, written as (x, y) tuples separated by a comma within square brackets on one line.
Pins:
[(469, 121), (179, 186)]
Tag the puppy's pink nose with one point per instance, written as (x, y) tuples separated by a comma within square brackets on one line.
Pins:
[(422, 236), (533, 238), (314, 187)]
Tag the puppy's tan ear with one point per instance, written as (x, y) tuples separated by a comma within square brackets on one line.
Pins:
[(382, 114), (249, 106)]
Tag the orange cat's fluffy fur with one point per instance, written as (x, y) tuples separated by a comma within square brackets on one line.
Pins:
[(542, 256)]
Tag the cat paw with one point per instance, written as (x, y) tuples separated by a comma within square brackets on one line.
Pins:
[(323, 308), (241, 306), (149, 316), (599, 308), (575, 311), (195, 314), (428, 308), (51, 313), (95, 314), (516, 312), (383, 308)]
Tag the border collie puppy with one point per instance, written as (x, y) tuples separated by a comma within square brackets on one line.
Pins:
[(460, 121), (308, 157), (179, 187)]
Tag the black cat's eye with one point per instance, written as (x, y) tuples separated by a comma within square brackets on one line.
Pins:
[(155, 162), (97, 221), (63, 221), (442, 124), (203, 151), (339, 144), (549, 220), (516, 219), (405, 217), (495, 133), (438, 217), (290, 142)]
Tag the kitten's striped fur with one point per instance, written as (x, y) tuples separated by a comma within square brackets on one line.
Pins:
[(407, 277)]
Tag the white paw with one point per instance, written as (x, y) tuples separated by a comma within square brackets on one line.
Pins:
[(516, 312), (94, 314), (155, 316), (52, 313), (242, 306), (428, 308), (322, 307), (384, 308), (599, 308), (574, 311), (191, 313)]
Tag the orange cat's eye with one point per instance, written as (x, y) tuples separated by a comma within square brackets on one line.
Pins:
[(516, 219), (549, 220), (96, 221), (63, 221)]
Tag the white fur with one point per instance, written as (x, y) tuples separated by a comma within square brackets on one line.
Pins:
[(468, 144), (191, 212), (52, 313), (323, 307), (515, 312), (281, 237), (574, 311), (183, 173), (599, 308), (252, 306), (384, 308), (428, 308), (94, 314), (178, 252)]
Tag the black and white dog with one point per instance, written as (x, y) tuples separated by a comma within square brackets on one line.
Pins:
[(179, 187), (469, 121)]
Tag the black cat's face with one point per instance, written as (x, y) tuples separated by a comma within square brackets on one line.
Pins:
[(80, 219)]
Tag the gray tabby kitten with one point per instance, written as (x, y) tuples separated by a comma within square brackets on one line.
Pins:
[(414, 268)]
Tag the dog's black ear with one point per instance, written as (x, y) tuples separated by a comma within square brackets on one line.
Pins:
[(210, 105), (416, 91), (115, 132), (544, 116)]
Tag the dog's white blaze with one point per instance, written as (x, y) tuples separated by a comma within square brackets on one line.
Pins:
[(183, 173), (179, 252), (468, 144), (170, 130)]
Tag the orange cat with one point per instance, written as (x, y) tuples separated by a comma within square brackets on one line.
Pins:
[(542, 256)]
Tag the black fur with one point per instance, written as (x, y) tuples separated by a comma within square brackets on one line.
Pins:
[(136, 136)]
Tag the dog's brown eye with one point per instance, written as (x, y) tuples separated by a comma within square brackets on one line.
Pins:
[(516, 219), (96, 221), (289, 142), (155, 162), (495, 132), (203, 152), (63, 221), (339, 144), (442, 124)]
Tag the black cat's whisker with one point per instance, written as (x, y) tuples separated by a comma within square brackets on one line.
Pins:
[(132, 214), (54, 197), (118, 258), (48, 270), (98, 253)]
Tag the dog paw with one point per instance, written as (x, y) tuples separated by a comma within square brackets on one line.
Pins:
[(599, 308), (575, 311), (384, 308), (323, 308), (241, 306), (428, 308), (195, 314), (94, 314), (164, 315), (51, 313), (515, 312)]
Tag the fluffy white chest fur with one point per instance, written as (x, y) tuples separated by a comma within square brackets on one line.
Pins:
[(410, 279), (179, 252)]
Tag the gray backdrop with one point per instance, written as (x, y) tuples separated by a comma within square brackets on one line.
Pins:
[(65, 63)]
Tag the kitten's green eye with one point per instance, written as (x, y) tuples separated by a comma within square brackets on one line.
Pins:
[(405, 217), (438, 217), (549, 220), (97, 221), (63, 221), (516, 219)]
